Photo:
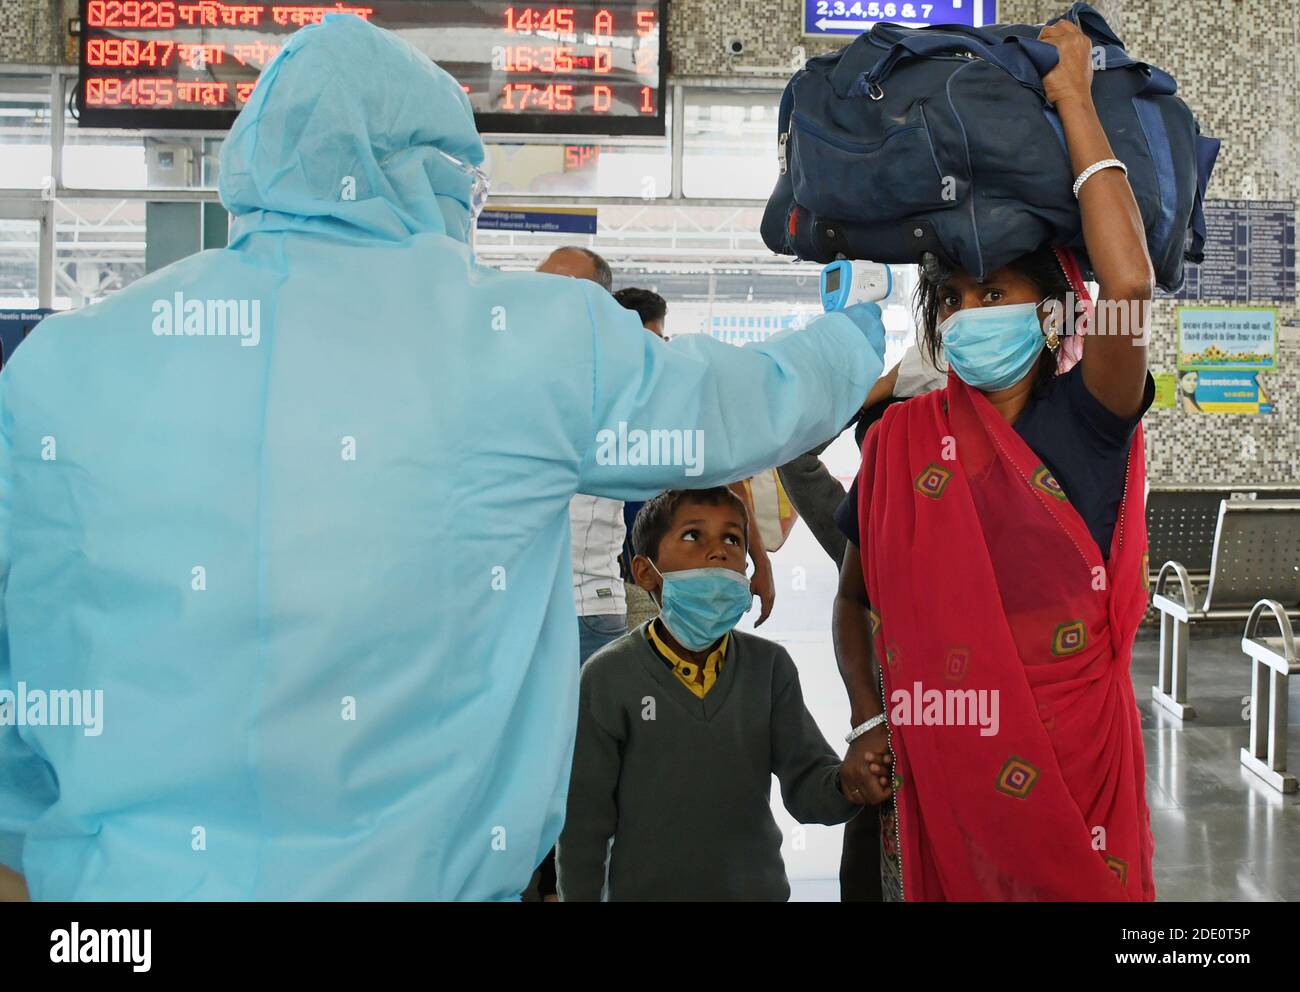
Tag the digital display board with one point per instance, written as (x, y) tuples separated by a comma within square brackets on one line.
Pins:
[(580, 68)]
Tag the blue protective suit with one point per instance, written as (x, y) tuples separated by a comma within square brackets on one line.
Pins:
[(319, 567)]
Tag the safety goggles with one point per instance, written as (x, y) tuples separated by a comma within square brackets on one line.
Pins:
[(478, 182)]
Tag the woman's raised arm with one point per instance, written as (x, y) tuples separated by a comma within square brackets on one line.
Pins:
[(1115, 355)]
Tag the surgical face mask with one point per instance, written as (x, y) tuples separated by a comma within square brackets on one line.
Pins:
[(699, 605), (993, 347), (479, 184)]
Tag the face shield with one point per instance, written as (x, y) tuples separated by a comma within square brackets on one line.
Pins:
[(478, 183)]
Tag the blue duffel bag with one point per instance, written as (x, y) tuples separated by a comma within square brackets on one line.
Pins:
[(941, 139)]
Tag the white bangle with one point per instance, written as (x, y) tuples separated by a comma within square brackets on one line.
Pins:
[(862, 728), (1086, 174)]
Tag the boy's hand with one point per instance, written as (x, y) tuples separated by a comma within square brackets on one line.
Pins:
[(13, 887), (866, 772)]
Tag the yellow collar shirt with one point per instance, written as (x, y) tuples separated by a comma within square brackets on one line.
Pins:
[(688, 672)]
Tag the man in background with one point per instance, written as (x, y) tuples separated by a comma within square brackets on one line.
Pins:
[(596, 537), (596, 524), (580, 263), (653, 311), (649, 306)]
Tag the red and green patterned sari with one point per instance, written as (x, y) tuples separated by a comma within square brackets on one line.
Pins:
[(983, 577)]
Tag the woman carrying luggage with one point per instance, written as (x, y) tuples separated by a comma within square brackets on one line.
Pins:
[(997, 568)]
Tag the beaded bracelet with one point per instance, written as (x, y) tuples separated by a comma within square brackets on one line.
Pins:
[(1086, 174)]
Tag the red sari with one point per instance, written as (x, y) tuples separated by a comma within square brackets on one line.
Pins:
[(983, 577)]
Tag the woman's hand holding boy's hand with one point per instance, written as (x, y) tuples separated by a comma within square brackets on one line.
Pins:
[(866, 770)]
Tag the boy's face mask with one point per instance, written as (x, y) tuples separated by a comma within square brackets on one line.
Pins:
[(993, 347), (699, 605)]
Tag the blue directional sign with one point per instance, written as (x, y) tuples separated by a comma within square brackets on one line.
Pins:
[(548, 220), (16, 325), (830, 17)]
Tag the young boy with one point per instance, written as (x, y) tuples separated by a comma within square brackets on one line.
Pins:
[(681, 725)]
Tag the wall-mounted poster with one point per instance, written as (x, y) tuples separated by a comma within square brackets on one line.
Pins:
[(1166, 390), (1222, 392), (1236, 338)]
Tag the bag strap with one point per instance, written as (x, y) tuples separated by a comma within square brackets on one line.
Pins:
[(1044, 57), (1114, 55), (885, 34), (1027, 60), (1091, 23), (927, 44), (1041, 55)]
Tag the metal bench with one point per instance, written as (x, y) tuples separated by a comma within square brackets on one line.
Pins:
[(1256, 555), (1273, 663), (1181, 521)]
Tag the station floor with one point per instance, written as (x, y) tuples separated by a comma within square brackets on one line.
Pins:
[(1221, 833)]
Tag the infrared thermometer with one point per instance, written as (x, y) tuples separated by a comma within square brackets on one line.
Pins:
[(846, 282)]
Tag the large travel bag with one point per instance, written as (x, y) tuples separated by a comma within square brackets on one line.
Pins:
[(941, 139)]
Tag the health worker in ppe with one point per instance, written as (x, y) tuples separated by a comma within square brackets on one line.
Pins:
[(298, 508)]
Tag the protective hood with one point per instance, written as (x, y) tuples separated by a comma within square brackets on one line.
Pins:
[(341, 136)]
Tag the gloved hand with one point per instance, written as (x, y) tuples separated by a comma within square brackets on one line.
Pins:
[(867, 317)]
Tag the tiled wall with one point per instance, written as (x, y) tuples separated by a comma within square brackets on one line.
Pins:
[(1238, 66), (35, 31)]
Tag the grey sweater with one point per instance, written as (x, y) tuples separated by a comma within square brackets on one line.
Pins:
[(683, 784)]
